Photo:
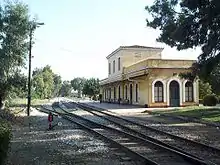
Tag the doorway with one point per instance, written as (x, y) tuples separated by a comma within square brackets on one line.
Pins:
[(131, 94), (174, 94)]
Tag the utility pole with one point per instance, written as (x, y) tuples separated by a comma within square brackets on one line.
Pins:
[(33, 26), (29, 73)]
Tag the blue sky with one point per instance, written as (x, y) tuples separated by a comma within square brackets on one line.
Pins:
[(79, 34)]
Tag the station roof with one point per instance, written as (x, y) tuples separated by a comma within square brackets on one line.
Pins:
[(133, 47)]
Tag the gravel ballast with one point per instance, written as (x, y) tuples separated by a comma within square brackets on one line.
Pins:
[(66, 144)]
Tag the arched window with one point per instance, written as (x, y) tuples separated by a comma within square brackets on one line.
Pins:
[(158, 91), (119, 63), (136, 93), (189, 91)]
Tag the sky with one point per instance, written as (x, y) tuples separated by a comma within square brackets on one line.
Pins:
[(79, 34)]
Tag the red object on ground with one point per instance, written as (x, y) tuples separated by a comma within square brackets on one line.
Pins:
[(50, 119)]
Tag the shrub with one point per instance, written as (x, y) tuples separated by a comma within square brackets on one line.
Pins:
[(204, 89), (100, 97), (218, 96), (6, 115), (5, 136), (94, 98), (210, 100)]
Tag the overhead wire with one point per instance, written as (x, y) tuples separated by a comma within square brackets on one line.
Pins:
[(54, 47)]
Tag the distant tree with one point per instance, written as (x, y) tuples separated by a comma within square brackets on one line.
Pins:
[(78, 84), (48, 77), (91, 87), (38, 86), (14, 30), (188, 24), (43, 82), (204, 89), (65, 89), (57, 85)]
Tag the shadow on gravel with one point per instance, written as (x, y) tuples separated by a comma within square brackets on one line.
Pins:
[(194, 131), (33, 144)]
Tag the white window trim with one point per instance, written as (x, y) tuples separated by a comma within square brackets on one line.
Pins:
[(184, 88), (194, 90), (164, 90), (180, 89)]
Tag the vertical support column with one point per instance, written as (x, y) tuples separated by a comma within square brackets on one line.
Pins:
[(123, 90), (195, 91)]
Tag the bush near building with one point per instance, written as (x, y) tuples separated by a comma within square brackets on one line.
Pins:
[(94, 98), (210, 100), (6, 119), (5, 136)]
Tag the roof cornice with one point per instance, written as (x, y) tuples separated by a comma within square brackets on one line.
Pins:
[(132, 47)]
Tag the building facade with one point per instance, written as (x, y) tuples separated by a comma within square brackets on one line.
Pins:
[(138, 75)]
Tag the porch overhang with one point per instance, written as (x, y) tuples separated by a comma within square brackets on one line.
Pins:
[(115, 79)]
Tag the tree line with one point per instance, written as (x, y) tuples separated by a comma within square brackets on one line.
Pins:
[(15, 26), (46, 84)]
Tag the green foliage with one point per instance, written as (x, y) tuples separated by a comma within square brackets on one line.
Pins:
[(202, 113), (6, 117), (215, 79), (78, 84), (5, 136), (188, 24), (204, 89), (91, 87), (57, 84), (210, 100), (45, 84), (18, 86), (14, 30), (65, 89), (94, 98)]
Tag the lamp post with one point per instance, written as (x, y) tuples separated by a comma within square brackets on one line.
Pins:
[(33, 26)]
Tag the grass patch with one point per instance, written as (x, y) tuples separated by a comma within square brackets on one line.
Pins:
[(18, 102), (204, 113)]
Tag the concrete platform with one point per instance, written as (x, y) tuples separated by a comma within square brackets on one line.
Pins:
[(122, 109), (118, 108)]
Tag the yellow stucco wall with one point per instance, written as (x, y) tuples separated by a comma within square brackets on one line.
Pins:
[(143, 91), (149, 70), (132, 56)]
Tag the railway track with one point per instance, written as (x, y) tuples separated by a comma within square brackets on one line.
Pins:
[(195, 131), (143, 149), (186, 146)]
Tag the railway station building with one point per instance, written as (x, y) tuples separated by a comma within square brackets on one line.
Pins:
[(138, 75)]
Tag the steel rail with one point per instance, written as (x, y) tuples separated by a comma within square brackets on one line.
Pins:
[(189, 158)]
